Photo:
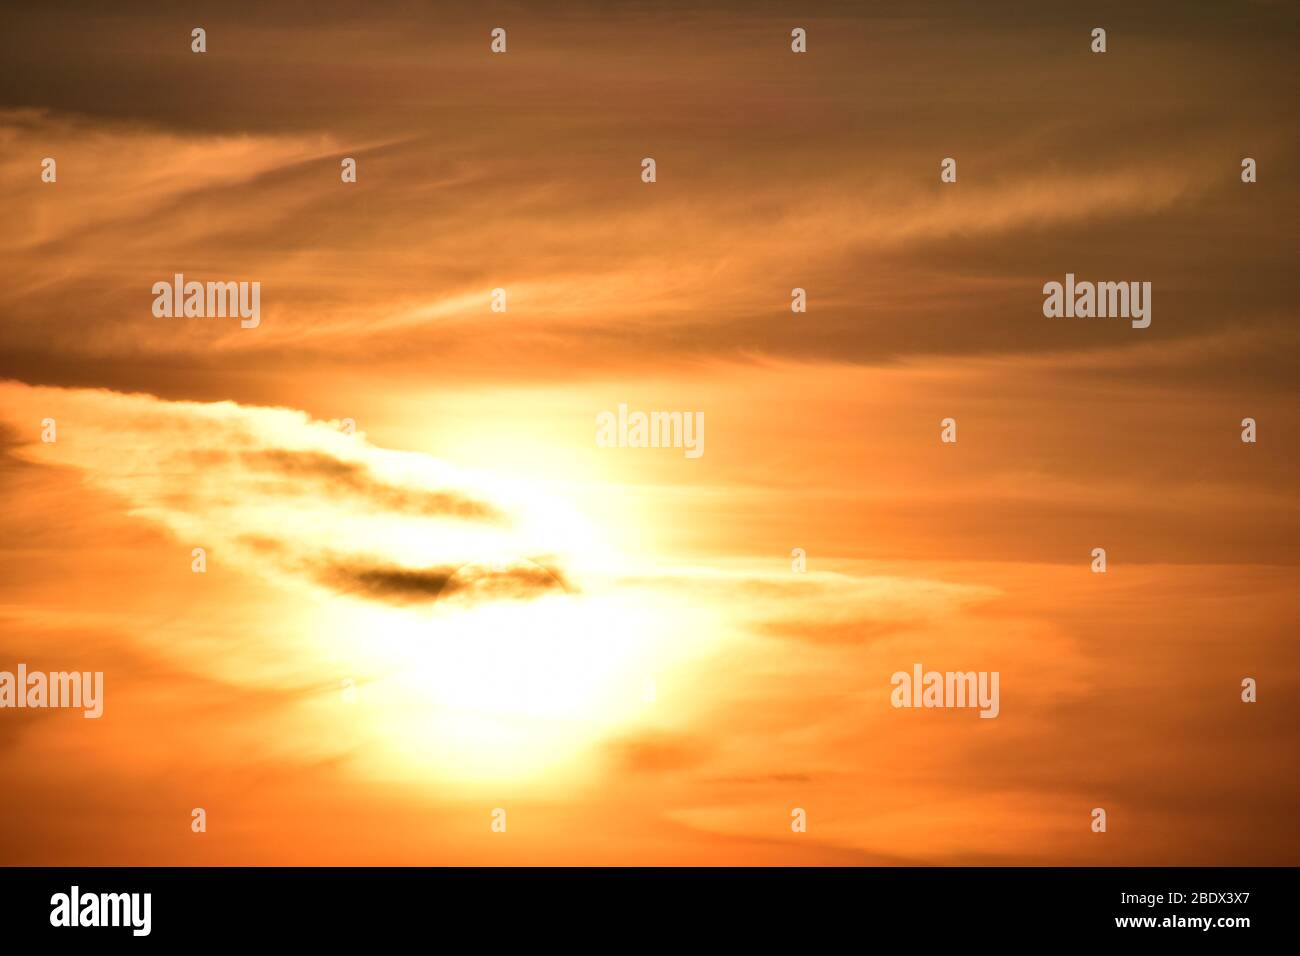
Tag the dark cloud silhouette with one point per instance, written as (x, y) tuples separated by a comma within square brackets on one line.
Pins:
[(338, 477), (470, 583)]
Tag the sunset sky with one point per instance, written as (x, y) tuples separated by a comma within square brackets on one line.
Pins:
[(468, 604)]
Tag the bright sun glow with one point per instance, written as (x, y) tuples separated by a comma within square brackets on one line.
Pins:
[(508, 689)]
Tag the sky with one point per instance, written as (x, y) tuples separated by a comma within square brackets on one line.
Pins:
[(429, 593)]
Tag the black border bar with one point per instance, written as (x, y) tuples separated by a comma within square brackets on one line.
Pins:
[(617, 906)]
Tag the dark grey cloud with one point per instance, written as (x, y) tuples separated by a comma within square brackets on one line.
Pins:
[(469, 583)]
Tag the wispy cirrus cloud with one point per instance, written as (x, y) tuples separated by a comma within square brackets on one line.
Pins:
[(275, 489), (821, 174)]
